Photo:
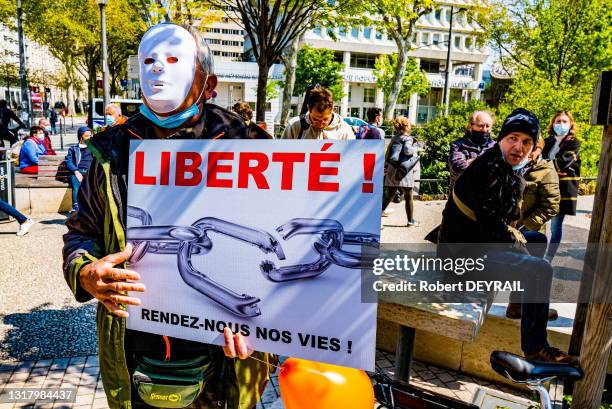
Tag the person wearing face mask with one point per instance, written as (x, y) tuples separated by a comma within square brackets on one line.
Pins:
[(482, 208), (78, 160), (31, 149), (466, 149), (46, 125), (320, 122), (540, 204), (177, 79), (563, 148), (113, 116)]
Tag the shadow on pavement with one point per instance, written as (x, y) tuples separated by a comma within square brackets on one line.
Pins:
[(49, 333)]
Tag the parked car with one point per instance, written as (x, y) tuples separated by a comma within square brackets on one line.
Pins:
[(354, 122)]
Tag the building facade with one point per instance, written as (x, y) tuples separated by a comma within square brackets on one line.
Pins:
[(225, 39), (358, 47), (41, 70)]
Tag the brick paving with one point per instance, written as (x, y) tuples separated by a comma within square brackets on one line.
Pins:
[(83, 374)]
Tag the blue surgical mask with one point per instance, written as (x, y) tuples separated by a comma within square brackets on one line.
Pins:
[(47, 128), (109, 119), (173, 121), (521, 165), (561, 129)]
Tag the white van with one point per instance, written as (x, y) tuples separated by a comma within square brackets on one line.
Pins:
[(95, 111)]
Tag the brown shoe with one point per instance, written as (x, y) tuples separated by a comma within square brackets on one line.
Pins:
[(513, 311), (552, 355)]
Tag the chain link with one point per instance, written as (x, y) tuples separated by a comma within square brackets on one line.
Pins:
[(186, 241)]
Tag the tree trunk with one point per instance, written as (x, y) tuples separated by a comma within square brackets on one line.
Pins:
[(262, 81), (290, 63), (398, 79), (70, 97)]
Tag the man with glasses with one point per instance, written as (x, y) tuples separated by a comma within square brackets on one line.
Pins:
[(466, 149)]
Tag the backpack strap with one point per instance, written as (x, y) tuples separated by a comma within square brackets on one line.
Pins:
[(304, 126)]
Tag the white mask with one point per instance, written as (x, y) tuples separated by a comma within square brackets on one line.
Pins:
[(167, 58)]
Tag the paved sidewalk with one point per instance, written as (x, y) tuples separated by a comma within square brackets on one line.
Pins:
[(48, 339), (82, 373)]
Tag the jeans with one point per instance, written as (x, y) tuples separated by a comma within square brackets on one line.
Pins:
[(556, 233), (75, 185), (11, 211), (535, 275), (536, 245)]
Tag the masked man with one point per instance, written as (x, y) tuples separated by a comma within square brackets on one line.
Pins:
[(466, 149), (176, 77)]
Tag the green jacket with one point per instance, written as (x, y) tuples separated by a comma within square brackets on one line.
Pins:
[(541, 196), (98, 229)]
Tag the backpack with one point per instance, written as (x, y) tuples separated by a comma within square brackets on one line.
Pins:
[(363, 132)]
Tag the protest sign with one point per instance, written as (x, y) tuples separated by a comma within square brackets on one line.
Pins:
[(262, 236)]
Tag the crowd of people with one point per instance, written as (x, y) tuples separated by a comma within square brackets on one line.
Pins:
[(502, 190)]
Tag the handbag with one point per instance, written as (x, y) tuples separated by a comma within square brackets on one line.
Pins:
[(401, 162)]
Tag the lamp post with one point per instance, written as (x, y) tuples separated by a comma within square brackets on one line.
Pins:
[(23, 80), (105, 82), (446, 98)]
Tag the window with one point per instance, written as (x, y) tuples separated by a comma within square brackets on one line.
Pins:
[(317, 30), (438, 15), (350, 95), (355, 32), (430, 66), (446, 40), (436, 39), (363, 60), (342, 31), (379, 34), (457, 41), (369, 95), (424, 38), (339, 57), (468, 43), (367, 33), (448, 15)]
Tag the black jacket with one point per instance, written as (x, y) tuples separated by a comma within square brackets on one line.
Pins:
[(492, 190), (567, 165)]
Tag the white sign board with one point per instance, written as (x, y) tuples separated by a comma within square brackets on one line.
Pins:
[(262, 236)]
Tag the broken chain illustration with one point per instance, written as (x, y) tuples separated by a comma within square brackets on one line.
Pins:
[(186, 241)]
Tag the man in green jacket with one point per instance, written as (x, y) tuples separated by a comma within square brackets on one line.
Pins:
[(176, 76)]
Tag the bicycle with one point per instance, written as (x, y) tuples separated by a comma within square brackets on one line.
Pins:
[(394, 394), (533, 374)]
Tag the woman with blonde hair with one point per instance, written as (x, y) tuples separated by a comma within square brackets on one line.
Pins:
[(563, 148), (403, 168)]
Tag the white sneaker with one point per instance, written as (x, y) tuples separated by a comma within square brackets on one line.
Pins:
[(25, 227), (387, 212)]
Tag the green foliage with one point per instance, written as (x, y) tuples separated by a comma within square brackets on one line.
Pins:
[(438, 135), (317, 65), (415, 79), (557, 49)]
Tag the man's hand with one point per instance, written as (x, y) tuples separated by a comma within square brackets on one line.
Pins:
[(107, 284), (79, 176), (235, 345)]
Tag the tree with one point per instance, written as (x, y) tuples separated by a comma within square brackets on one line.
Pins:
[(270, 26), (318, 66), (415, 79), (398, 20), (556, 50), (346, 13)]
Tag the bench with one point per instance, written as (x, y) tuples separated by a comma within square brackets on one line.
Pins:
[(49, 167), (460, 321)]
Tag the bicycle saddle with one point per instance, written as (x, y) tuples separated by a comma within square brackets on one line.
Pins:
[(520, 369)]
